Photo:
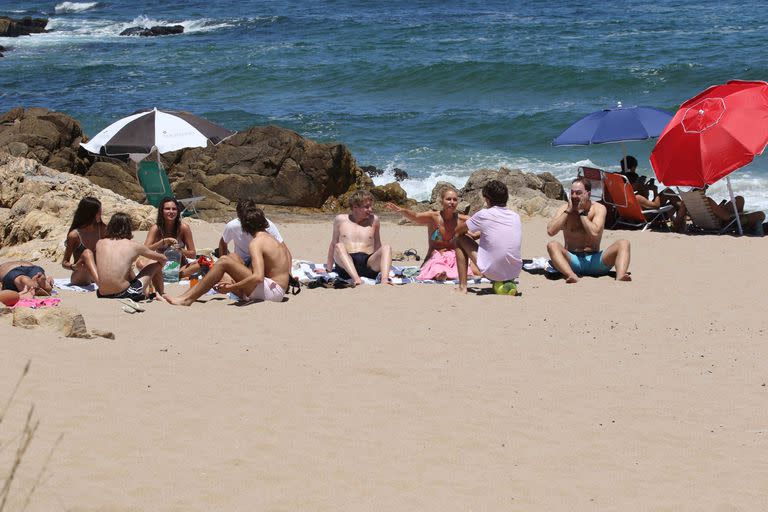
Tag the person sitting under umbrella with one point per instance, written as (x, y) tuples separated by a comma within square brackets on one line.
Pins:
[(643, 186), (751, 222)]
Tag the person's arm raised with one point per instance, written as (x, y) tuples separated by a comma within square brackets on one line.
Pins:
[(557, 223), (418, 218)]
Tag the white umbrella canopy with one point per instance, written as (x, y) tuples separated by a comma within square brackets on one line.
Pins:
[(165, 130)]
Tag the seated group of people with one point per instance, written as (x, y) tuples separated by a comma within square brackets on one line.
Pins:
[(486, 244)]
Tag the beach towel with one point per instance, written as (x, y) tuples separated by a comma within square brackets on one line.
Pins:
[(308, 272), (65, 284), (37, 303)]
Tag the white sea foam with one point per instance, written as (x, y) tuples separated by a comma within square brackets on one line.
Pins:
[(74, 6)]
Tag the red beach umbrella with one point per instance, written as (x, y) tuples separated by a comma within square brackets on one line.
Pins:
[(713, 134)]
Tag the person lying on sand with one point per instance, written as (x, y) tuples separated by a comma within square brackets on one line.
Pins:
[(24, 278), (440, 261), (267, 279), (356, 248), (115, 256), (582, 222), (497, 252)]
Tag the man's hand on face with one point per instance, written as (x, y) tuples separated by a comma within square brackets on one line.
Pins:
[(583, 203)]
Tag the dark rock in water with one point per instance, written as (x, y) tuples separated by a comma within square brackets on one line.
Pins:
[(10, 27), (400, 174), (158, 30), (372, 170), (2, 49)]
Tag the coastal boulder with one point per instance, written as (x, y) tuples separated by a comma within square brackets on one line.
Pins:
[(269, 164), (529, 193), (118, 177), (10, 27), (37, 204), (67, 321), (51, 138)]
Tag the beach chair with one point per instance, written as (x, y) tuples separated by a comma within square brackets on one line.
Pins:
[(702, 216), (595, 178), (620, 194), (154, 181)]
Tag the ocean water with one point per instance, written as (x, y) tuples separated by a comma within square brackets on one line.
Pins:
[(438, 89)]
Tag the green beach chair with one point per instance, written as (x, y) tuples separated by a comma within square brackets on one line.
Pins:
[(154, 181)]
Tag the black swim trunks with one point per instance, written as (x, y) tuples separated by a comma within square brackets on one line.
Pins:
[(360, 260), (134, 291), (10, 277)]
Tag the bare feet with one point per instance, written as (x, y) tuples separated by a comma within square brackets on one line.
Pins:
[(461, 289), (176, 301), (572, 279), (625, 277)]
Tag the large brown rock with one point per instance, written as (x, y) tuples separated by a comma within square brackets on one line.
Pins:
[(51, 138), (37, 205), (270, 165), (118, 177), (529, 193), (67, 321)]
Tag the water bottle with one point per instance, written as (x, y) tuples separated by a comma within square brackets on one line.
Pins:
[(172, 265)]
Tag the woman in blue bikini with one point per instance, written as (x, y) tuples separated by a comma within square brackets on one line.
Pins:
[(440, 261)]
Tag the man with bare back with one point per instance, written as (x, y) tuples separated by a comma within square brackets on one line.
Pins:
[(267, 278), (356, 247), (582, 223), (115, 256)]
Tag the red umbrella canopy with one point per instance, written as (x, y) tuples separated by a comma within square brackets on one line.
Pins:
[(713, 134)]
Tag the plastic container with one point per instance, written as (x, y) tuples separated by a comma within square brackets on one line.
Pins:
[(172, 265)]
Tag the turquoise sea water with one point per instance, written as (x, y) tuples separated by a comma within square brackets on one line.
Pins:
[(436, 88)]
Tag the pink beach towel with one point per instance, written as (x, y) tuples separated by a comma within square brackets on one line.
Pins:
[(438, 262), (37, 303)]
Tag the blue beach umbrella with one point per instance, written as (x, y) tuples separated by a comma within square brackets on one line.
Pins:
[(618, 124)]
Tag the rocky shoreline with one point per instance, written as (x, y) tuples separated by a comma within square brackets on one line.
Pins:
[(270, 164)]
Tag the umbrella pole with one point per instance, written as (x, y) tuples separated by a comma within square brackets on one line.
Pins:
[(733, 202)]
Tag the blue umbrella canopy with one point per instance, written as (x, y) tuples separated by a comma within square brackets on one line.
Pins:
[(615, 125)]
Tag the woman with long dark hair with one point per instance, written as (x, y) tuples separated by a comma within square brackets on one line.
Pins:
[(80, 247), (170, 231)]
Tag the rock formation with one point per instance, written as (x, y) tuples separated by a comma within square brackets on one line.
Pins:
[(51, 138), (269, 164), (10, 27), (159, 30), (37, 204), (529, 193)]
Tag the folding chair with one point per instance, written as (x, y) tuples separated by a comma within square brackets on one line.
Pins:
[(621, 195), (701, 214), (154, 181), (595, 178)]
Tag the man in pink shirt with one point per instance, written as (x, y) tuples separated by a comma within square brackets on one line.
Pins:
[(497, 254)]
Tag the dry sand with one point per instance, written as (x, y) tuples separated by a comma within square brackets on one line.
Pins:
[(649, 395)]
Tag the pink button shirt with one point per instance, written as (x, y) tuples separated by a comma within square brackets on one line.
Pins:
[(498, 257)]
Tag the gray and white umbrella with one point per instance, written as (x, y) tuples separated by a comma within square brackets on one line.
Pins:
[(165, 130)]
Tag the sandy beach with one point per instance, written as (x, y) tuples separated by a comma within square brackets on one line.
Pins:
[(596, 396)]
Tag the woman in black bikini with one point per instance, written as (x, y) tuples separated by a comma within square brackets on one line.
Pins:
[(170, 231), (440, 261), (87, 228)]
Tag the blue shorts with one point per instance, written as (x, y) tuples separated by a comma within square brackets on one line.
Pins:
[(588, 263), (28, 270)]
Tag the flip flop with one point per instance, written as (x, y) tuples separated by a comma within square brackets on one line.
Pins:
[(132, 304), (129, 310)]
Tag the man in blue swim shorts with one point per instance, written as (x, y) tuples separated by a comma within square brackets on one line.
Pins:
[(582, 223)]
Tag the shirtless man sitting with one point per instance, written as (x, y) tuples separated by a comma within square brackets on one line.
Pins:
[(266, 279), (582, 223), (355, 246), (115, 256), (25, 278)]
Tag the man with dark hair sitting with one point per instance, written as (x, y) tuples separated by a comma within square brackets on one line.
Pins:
[(582, 222), (267, 278), (115, 256), (497, 253)]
